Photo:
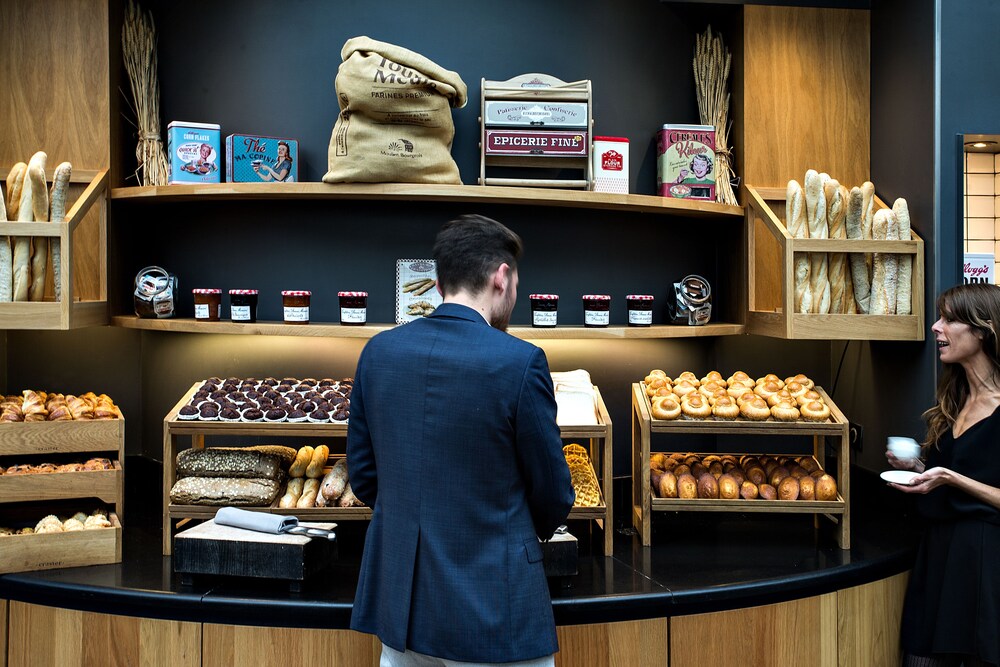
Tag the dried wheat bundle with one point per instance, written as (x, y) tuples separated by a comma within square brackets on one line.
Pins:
[(711, 76), (139, 51)]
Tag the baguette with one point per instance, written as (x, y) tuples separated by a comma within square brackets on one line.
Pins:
[(836, 213), (335, 481), (348, 499), (819, 281), (292, 493), (868, 213), (39, 256), (904, 287), (317, 462), (302, 459), (309, 491), (885, 266), (859, 268), (57, 202), (795, 221), (22, 244), (15, 179)]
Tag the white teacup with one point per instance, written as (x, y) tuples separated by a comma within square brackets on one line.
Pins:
[(903, 448)]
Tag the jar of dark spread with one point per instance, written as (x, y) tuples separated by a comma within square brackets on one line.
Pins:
[(243, 305), (207, 304), (544, 309), (353, 308), (596, 310), (295, 304), (640, 310)]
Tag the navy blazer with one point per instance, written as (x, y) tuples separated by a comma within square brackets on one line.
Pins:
[(453, 442)]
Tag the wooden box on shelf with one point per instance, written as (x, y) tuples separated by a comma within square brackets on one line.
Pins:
[(771, 281), (83, 254), (643, 502), (46, 551), (600, 451)]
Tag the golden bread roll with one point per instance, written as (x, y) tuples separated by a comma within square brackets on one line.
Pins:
[(826, 488), (682, 469), (748, 491), (657, 461), (777, 474), (739, 376), (785, 412), (770, 378), (767, 492), (715, 467), (709, 387), (767, 389), (800, 379), (714, 376), (726, 408), (698, 469), (788, 489), (665, 407), (667, 486), (756, 474), (808, 463), (654, 384), (745, 397), (755, 409), (737, 474), (708, 487), (687, 487), (688, 376), (684, 387), (795, 389), (779, 396), (729, 488), (815, 411), (695, 405), (654, 481), (807, 488), (808, 397)]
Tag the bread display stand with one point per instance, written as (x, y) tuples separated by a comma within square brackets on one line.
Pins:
[(771, 282), (644, 504), (40, 494), (599, 450), (84, 264), (540, 88)]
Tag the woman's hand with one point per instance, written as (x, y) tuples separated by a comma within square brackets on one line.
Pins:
[(927, 480), (916, 465)]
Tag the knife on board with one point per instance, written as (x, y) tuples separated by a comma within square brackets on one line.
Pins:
[(275, 524)]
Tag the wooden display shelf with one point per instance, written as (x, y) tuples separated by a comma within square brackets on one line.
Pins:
[(771, 281), (105, 485), (476, 194), (644, 504), (334, 330), (71, 311), (598, 436), (46, 551), (55, 437)]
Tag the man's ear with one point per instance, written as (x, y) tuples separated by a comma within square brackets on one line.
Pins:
[(501, 277)]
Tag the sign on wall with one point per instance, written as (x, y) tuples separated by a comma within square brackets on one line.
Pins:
[(978, 268)]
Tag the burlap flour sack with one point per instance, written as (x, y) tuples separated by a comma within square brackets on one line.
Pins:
[(395, 121)]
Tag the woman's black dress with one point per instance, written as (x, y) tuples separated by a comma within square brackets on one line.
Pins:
[(953, 600)]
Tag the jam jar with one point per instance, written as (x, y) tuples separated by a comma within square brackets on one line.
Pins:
[(596, 310), (243, 305), (544, 309), (353, 308), (295, 304), (207, 304), (640, 310)]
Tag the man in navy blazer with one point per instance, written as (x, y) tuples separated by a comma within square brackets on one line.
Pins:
[(453, 442)]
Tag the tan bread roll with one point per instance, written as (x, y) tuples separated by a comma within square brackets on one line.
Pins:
[(302, 459), (795, 221), (309, 491), (859, 269), (57, 203), (318, 461), (335, 481), (904, 287), (819, 281), (867, 218), (885, 266), (292, 493), (836, 216), (15, 179), (25, 213), (39, 244)]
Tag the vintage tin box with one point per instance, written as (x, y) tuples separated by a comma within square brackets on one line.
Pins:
[(257, 159), (502, 113), (685, 161), (194, 152), (552, 143)]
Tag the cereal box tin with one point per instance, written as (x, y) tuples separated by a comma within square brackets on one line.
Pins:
[(255, 159), (536, 114), (610, 170), (685, 161), (194, 151), (553, 143)]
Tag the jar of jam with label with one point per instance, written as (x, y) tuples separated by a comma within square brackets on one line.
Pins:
[(596, 310), (243, 305), (353, 308), (207, 304), (295, 304), (544, 309), (640, 310)]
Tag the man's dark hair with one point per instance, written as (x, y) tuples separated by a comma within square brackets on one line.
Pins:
[(469, 249)]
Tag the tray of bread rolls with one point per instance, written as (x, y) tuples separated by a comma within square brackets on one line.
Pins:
[(69, 534), (32, 478), (738, 403)]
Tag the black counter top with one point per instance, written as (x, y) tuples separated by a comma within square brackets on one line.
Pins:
[(699, 562)]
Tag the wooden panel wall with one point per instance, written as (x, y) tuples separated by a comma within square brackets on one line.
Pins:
[(802, 632), (47, 636), (614, 644), (3, 633), (232, 645), (868, 624)]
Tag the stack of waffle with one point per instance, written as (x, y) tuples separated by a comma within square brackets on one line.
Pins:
[(588, 493)]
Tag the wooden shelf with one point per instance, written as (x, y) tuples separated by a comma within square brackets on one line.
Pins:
[(441, 193), (335, 330)]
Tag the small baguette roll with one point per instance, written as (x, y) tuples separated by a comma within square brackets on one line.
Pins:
[(867, 218), (885, 266), (292, 493), (22, 244), (318, 461), (39, 244), (859, 269), (302, 460), (798, 227), (15, 180), (904, 287), (836, 215), (57, 202), (335, 481), (819, 281), (309, 491)]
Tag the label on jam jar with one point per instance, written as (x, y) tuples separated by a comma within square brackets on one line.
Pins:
[(201, 311), (544, 318), (354, 315), (640, 317), (240, 313), (296, 314), (596, 318)]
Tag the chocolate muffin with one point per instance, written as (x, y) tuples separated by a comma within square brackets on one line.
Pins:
[(208, 411), (306, 406), (327, 382), (319, 416), (229, 414), (253, 415), (341, 414), (283, 388), (293, 396), (269, 382), (218, 393), (296, 415), (275, 415), (188, 412)]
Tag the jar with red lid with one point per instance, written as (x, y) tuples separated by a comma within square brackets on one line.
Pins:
[(295, 304), (596, 310), (243, 305), (544, 309), (640, 310), (353, 308), (207, 304)]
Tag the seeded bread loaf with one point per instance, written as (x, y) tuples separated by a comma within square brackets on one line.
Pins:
[(225, 462), (224, 491)]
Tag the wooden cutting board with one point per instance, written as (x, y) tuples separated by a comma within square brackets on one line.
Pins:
[(210, 548)]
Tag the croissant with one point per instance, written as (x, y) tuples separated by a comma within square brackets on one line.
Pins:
[(33, 407), (59, 412), (12, 415), (79, 408), (105, 408)]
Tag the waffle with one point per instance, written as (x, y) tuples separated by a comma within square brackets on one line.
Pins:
[(588, 493)]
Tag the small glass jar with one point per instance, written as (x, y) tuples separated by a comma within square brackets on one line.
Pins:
[(207, 304), (243, 305), (353, 308), (640, 310), (295, 304), (596, 310), (544, 309)]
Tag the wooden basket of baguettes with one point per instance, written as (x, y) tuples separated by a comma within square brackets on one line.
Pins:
[(831, 262)]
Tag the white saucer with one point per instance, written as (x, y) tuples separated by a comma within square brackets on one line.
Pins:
[(898, 476)]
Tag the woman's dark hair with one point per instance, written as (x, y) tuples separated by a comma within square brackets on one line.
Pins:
[(977, 305), (288, 151), (470, 248)]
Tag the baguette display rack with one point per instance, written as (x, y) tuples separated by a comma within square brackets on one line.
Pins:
[(771, 281), (644, 504), (39, 494), (176, 516)]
